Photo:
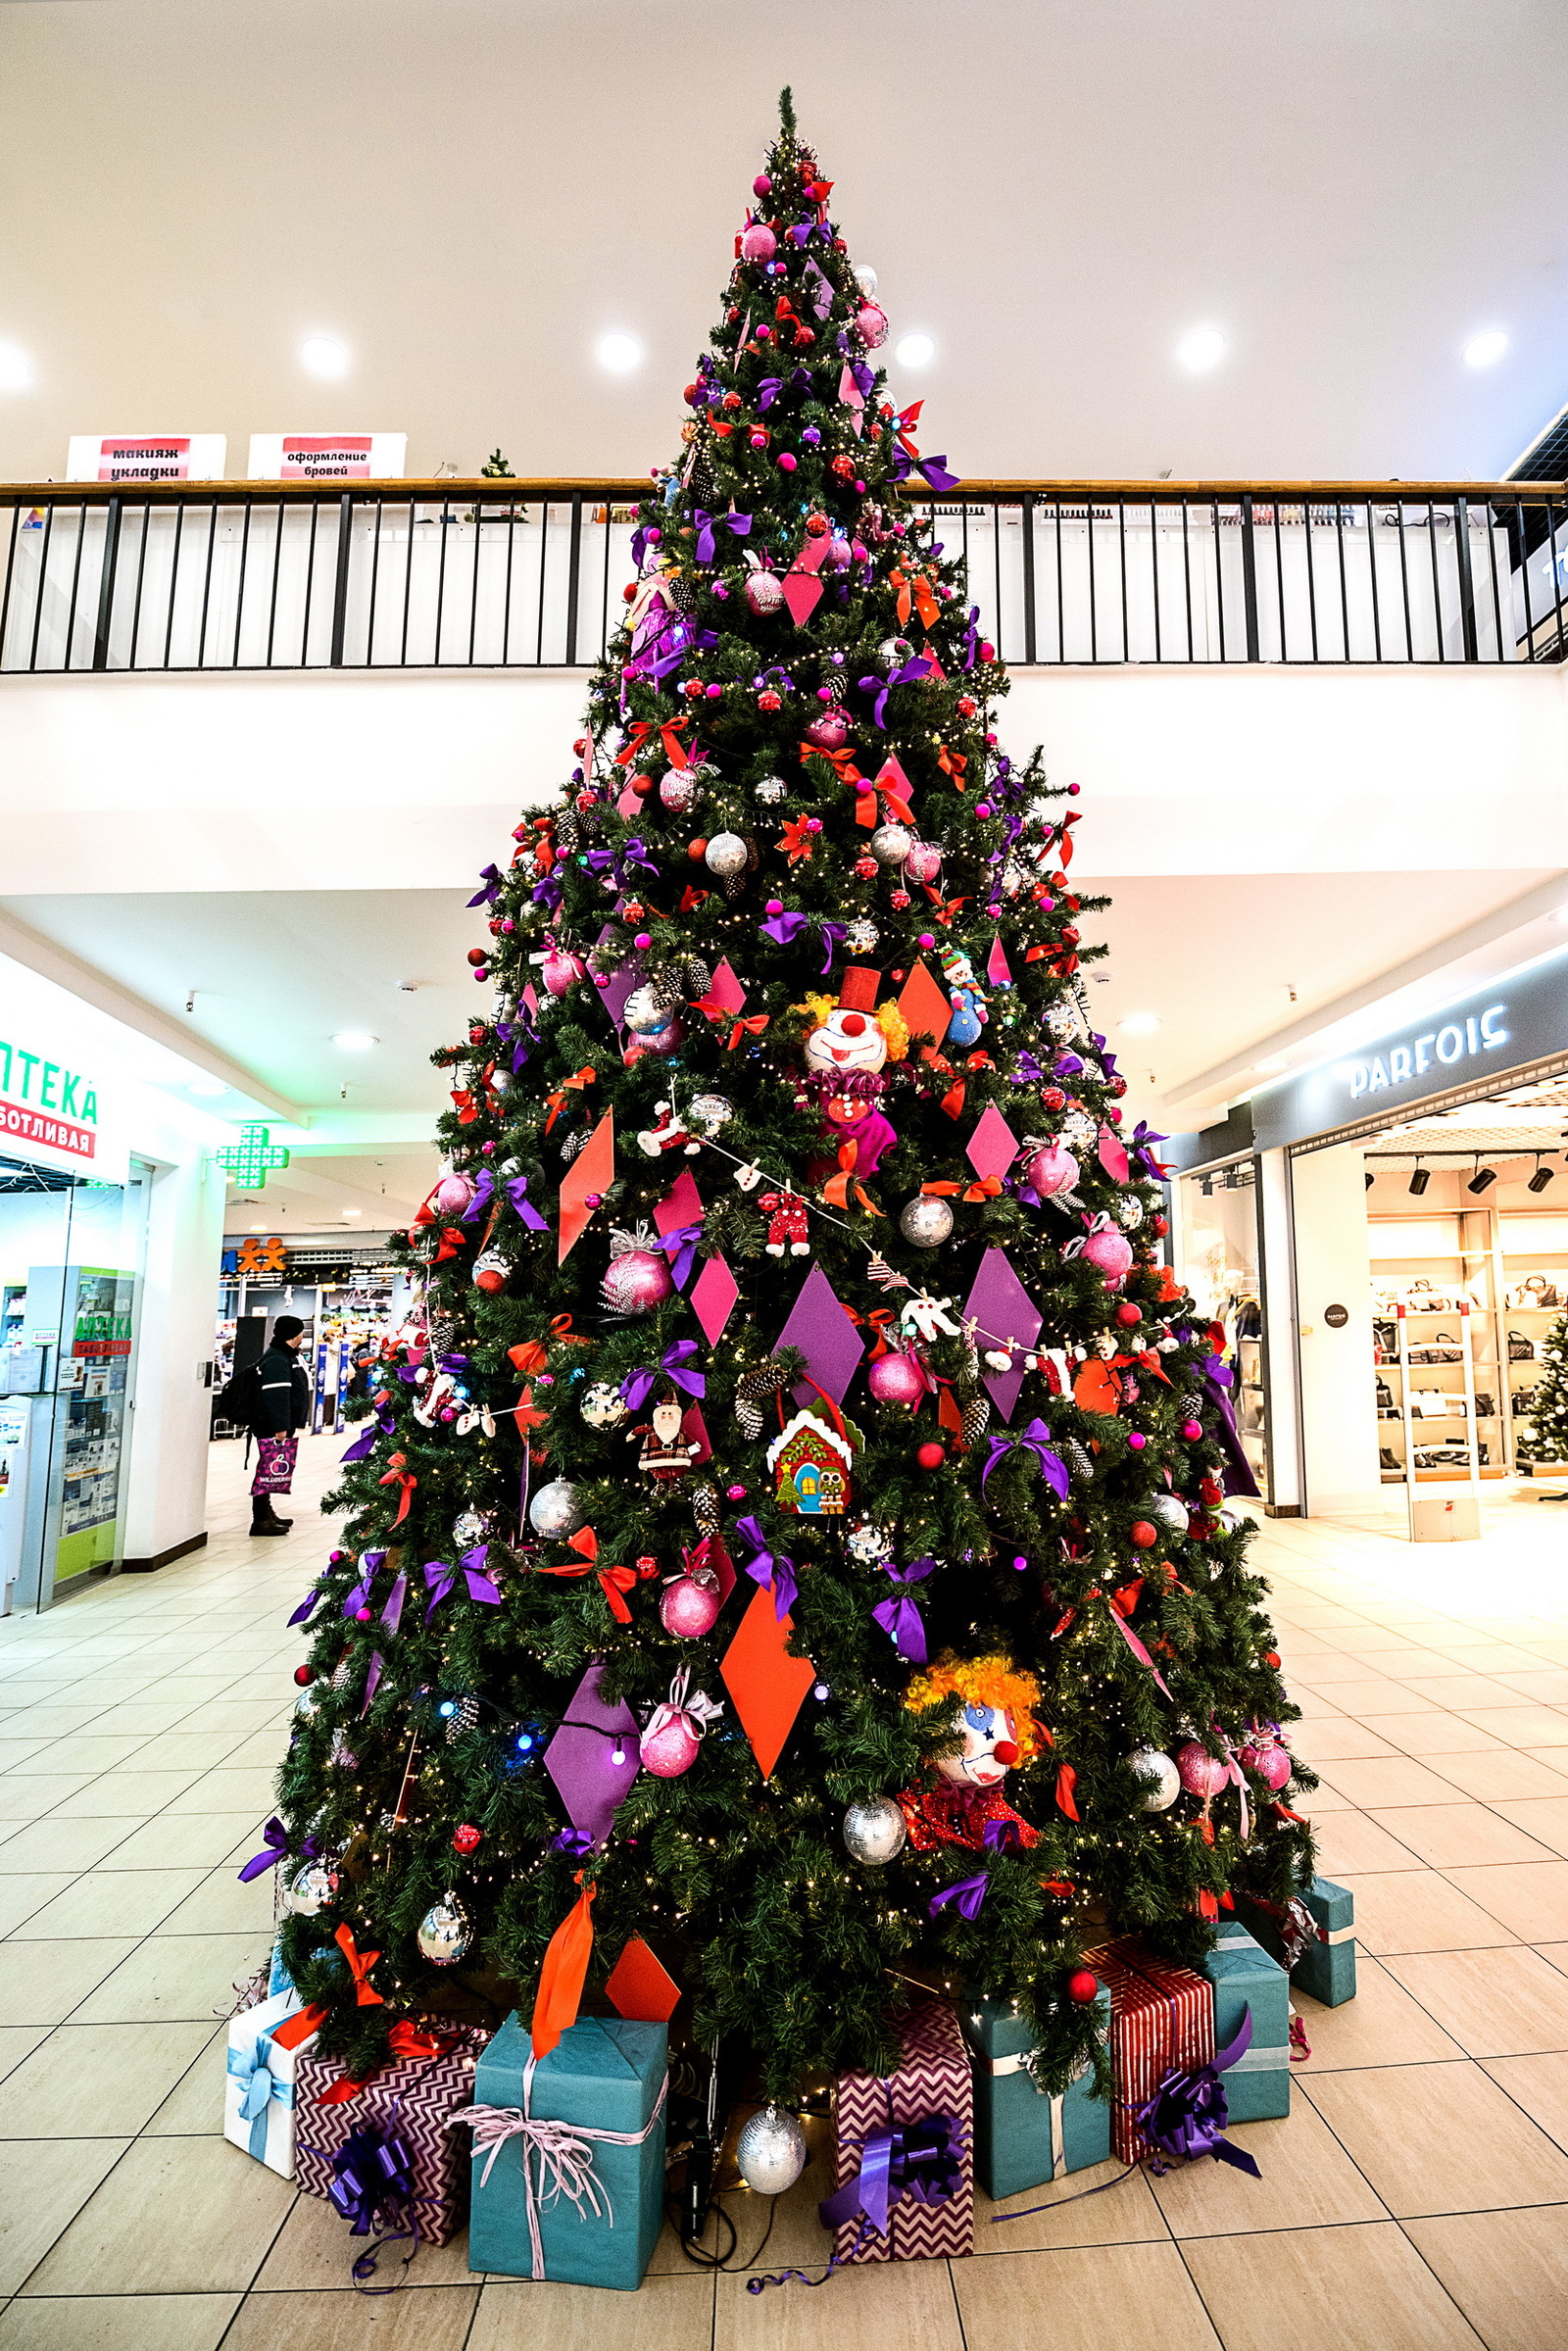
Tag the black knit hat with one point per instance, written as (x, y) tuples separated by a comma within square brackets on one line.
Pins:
[(288, 1326)]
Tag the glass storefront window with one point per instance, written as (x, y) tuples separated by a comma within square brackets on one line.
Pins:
[(1219, 1264), (72, 1256)]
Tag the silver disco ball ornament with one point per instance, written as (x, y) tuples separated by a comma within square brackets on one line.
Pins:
[(893, 651), (647, 1010), (1062, 1022), (891, 844), (1130, 1212), (1079, 1130), (443, 1933), (726, 854), (925, 1221), (875, 1831), (1163, 1782), (866, 277), (501, 1081), (603, 1406), (861, 936), (554, 1510), (705, 1113), (770, 2151), (310, 1889), (468, 1528), (305, 1705), (1170, 1512), (771, 790)]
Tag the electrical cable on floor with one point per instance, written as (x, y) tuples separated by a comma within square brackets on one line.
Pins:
[(722, 2261)]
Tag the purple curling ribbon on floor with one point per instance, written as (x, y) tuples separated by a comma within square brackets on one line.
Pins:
[(674, 1365), (1187, 2115), (1035, 1440), (899, 1616), (968, 1894), (440, 1578), (775, 1572)]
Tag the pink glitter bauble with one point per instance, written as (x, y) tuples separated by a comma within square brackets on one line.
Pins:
[(872, 321), (562, 972), (454, 1194), (1272, 1763), (676, 790), (923, 862), (1201, 1774), (896, 1379), (1111, 1252), (764, 595), (1053, 1170), (838, 557), (757, 243), (687, 1608), (830, 732), (636, 1281), (671, 1749)]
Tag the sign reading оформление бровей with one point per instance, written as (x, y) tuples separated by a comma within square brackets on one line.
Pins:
[(1510, 1024), (48, 1110)]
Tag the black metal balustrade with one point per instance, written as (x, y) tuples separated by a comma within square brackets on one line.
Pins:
[(483, 574)]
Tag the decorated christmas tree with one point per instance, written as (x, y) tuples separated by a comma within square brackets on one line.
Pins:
[(1544, 1435), (799, 1437)]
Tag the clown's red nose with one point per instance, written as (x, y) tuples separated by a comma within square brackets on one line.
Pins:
[(1006, 1752), (853, 1023)]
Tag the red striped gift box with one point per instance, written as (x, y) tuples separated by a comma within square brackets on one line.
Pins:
[(1160, 2016), (932, 2078)]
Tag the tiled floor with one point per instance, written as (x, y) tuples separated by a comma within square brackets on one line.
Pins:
[(1417, 2199)]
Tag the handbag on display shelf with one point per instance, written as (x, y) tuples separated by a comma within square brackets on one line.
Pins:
[(1534, 1290), (1524, 1399), (1485, 1406), (1435, 1403), (1520, 1348), (1385, 1342), (1388, 1409), (1441, 1348)]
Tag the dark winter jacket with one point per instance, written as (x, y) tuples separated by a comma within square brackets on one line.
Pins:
[(285, 1393)]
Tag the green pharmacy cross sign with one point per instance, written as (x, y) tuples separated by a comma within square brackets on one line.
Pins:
[(248, 1160)]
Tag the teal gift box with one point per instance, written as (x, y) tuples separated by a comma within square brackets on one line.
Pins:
[(1326, 1968), (602, 2076), (1022, 2137), (1257, 2086)]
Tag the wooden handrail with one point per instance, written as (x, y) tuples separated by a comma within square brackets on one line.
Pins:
[(483, 490)]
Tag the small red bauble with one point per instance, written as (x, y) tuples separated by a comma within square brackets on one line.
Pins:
[(1053, 1098), (1158, 1224), (1271, 1658), (478, 955), (967, 705), (1144, 1535), (899, 900), (816, 524), (768, 701), (628, 591), (1117, 1085), (467, 1840), (697, 851), (931, 1456), (865, 869), (1128, 1315), (844, 466), (304, 1675), (1083, 1985), (642, 785)]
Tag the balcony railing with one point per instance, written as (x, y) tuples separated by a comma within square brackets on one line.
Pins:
[(528, 574)]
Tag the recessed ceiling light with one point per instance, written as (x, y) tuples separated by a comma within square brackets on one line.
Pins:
[(354, 1211), (1275, 1062), (16, 369), (915, 350), (324, 355), (1200, 349), (258, 1228), (1485, 350), (1139, 1024), (618, 353), (355, 1041), (206, 1087)]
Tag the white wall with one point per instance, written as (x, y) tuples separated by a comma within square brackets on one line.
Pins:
[(166, 1499), (1332, 1267)]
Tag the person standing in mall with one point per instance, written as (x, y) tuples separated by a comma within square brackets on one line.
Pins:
[(284, 1406)]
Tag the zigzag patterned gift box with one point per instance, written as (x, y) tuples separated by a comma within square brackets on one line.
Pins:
[(382, 2155), (903, 2153)]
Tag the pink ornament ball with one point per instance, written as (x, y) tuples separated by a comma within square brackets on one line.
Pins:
[(1052, 1171), (761, 185), (454, 1194), (562, 972), (1272, 1764), (1201, 1774), (1111, 1252), (671, 1751), (637, 1282), (830, 732), (1192, 1430), (924, 862), (764, 595), (757, 243), (1137, 1440), (872, 321), (688, 1610), (676, 791), (897, 1379), (786, 463)]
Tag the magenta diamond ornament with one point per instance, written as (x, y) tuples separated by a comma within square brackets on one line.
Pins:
[(1005, 1313), (712, 1296), (581, 1757), (992, 1147), (824, 1334)]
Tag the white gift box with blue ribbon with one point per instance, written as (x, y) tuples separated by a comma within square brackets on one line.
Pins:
[(259, 2091)]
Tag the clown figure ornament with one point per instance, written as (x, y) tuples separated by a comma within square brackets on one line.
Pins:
[(991, 1729)]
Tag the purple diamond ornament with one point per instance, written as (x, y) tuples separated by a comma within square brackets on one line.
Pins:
[(581, 1757), (1005, 1311), (825, 1335)]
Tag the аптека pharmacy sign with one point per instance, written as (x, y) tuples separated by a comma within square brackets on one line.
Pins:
[(47, 1106)]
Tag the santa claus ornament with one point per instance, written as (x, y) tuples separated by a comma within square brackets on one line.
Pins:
[(666, 1454), (993, 1730)]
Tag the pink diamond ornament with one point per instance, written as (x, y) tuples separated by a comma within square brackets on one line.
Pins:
[(714, 1295), (992, 1147), (1005, 1313), (682, 1205)]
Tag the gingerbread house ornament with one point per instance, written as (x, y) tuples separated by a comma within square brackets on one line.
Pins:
[(810, 1466)]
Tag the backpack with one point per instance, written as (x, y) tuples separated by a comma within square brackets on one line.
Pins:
[(239, 1400)]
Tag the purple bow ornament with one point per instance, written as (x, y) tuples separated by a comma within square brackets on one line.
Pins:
[(1035, 1440), (491, 884), (775, 1574), (517, 1193), (674, 1365), (899, 1616), (968, 1894), (441, 1577), (681, 1247), (738, 524), (782, 928)]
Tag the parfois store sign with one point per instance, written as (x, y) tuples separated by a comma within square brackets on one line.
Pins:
[(48, 1109)]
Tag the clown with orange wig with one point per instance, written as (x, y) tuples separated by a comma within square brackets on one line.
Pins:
[(995, 1723)]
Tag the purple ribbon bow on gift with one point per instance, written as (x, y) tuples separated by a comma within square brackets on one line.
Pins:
[(441, 1577), (371, 2169), (738, 524), (922, 2161), (674, 1365), (968, 1894), (899, 1616), (681, 1247), (1187, 2115), (1035, 1440), (775, 1572)]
